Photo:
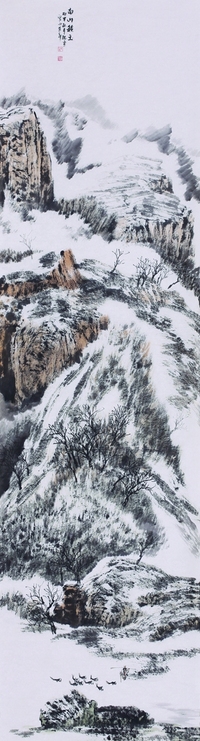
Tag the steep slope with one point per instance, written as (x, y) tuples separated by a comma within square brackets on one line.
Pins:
[(139, 478)]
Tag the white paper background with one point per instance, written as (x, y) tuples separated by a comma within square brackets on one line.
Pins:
[(140, 58)]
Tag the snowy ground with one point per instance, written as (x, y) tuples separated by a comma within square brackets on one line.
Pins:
[(28, 660)]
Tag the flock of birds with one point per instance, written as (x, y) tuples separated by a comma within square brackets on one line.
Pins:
[(82, 679)]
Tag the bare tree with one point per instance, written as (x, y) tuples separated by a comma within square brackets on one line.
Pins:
[(67, 445), (41, 607), (118, 254), (27, 241), (70, 553), (12, 457), (146, 542), (21, 468), (89, 438), (131, 482), (148, 271)]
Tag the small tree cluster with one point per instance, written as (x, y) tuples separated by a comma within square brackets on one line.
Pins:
[(103, 446), (148, 272), (89, 439), (134, 476), (12, 256)]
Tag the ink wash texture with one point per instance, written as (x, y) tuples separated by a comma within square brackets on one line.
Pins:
[(99, 370)]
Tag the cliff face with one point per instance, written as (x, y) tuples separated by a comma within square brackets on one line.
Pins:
[(31, 356), (25, 165), (39, 354), (171, 238), (7, 382), (170, 233)]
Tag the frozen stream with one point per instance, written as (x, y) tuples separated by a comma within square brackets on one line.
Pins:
[(29, 659)]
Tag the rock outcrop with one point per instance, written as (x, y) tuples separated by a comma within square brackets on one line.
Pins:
[(39, 353), (72, 610), (75, 710), (32, 355), (172, 239), (66, 275), (25, 165), (105, 602), (162, 184)]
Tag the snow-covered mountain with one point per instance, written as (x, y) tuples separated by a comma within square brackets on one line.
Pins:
[(99, 383)]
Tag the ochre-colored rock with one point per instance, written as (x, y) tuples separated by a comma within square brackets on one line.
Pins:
[(39, 354), (172, 239), (65, 275), (25, 165), (32, 355), (80, 608), (72, 610)]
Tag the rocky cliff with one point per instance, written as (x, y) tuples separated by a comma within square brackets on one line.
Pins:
[(39, 354), (170, 234), (172, 238), (25, 165), (33, 354), (7, 383)]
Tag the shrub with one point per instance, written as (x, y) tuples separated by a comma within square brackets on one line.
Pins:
[(12, 256)]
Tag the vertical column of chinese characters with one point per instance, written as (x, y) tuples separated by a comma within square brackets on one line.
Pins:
[(64, 16), (61, 35), (70, 26), (65, 26), (60, 48)]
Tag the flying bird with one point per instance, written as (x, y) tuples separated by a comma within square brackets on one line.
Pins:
[(99, 687), (55, 679), (110, 682)]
